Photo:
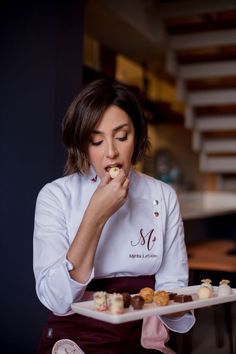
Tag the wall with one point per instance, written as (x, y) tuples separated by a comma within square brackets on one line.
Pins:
[(41, 71), (177, 139)]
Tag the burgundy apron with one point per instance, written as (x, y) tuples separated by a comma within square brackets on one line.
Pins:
[(95, 336)]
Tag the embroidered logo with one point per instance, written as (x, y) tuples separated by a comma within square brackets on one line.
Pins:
[(147, 240), (66, 346)]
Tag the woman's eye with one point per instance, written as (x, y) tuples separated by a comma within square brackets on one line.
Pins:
[(122, 138), (96, 143)]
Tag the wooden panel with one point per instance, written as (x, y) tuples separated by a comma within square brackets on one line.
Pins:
[(212, 97), (210, 182), (207, 54), (204, 22), (215, 110), (220, 134), (211, 83), (221, 154), (213, 263)]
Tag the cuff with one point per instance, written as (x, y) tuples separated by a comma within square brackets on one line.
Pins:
[(179, 324), (69, 266)]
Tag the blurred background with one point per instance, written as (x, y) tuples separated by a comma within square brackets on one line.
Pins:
[(178, 57)]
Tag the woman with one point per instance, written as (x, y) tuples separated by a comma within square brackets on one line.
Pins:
[(96, 233)]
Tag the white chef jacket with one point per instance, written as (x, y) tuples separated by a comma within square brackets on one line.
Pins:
[(144, 237)]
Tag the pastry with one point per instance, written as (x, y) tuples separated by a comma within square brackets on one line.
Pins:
[(147, 294), (126, 299), (116, 303), (137, 302), (100, 300), (224, 288), (161, 298), (204, 292), (114, 171), (207, 282)]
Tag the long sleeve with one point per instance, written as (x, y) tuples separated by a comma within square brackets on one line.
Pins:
[(54, 287), (174, 268)]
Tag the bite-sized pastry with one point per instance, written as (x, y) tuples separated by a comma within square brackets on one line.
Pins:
[(126, 299), (137, 302), (182, 298), (114, 171), (224, 288), (147, 294), (116, 303), (207, 282), (100, 300), (161, 298), (204, 292)]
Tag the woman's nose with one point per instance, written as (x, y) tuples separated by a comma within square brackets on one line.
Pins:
[(111, 150)]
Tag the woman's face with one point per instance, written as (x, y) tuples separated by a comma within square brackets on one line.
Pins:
[(112, 142)]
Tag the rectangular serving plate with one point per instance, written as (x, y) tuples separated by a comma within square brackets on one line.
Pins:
[(86, 308)]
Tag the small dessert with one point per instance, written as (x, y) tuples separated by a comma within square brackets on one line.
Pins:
[(137, 302), (126, 299), (100, 300), (116, 303), (205, 290), (171, 295), (207, 282), (161, 298), (224, 288), (182, 298), (114, 171), (147, 294)]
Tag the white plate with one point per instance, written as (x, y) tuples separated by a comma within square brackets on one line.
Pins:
[(86, 308)]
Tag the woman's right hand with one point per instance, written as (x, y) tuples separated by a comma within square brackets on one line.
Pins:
[(110, 195)]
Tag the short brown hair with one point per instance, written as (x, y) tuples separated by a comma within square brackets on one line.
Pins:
[(86, 110)]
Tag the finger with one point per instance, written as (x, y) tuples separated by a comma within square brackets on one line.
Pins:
[(126, 186), (126, 183), (121, 177), (105, 179)]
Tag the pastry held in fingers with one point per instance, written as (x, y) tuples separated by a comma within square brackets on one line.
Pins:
[(114, 171)]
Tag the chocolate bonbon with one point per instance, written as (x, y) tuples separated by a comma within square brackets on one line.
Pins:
[(183, 298)]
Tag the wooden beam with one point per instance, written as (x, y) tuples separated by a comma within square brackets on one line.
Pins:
[(212, 69), (216, 97), (188, 116), (216, 123), (190, 8), (217, 164), (219, 145), (203, 39)]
